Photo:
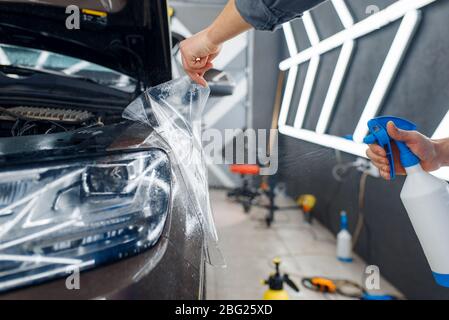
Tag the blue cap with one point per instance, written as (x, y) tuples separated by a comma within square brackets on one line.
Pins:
[(343, 221), (378, 134)]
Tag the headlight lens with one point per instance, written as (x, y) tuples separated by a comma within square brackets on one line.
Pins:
[(81, 214)]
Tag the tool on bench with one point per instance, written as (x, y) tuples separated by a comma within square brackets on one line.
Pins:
[(276, 284)]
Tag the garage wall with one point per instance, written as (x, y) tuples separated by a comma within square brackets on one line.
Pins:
[(420, 93)]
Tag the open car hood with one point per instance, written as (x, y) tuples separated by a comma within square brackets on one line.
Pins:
[(129, 36)]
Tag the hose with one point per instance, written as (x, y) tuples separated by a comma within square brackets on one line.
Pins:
[(346, 288), (361, 205)]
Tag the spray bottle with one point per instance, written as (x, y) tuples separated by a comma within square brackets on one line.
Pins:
[(425, 197), (276, 284), (344, 240)]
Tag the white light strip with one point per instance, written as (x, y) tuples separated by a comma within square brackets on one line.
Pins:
[(312, 71), (230, 50), (337, 143), (406, 9), (442, 130), (340, 69), (311, 31), (343, 13), (307, 91), (335, 86), (290, 39), (387, 73), (360, 29), (292, 74), (288, 93), (325, 140)]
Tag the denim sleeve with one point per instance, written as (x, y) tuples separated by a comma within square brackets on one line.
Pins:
[(268, 14)]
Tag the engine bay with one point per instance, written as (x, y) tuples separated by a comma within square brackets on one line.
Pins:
[(36, 120)]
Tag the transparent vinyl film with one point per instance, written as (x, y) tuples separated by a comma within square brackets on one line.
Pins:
[(174, 110)]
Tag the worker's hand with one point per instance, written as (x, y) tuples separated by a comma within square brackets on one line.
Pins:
[(198, 52), (424, 148)]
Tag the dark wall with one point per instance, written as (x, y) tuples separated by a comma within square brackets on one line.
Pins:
[(419, 93), (268, 51)]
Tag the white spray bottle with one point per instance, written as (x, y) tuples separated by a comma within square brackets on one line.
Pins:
[(425, 197), (344, 240)]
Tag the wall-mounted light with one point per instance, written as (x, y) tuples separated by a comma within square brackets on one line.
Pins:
[(408, 11)]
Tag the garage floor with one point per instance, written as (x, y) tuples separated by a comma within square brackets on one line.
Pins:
[(249, 247)]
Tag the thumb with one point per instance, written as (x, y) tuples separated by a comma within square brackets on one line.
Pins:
[(397, 134)]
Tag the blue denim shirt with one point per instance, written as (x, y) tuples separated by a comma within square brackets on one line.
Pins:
[(268, 14)]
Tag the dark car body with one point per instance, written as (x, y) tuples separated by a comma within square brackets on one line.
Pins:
[(134, 41)]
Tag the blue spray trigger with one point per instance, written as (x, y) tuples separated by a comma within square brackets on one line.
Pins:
[(378, 134)]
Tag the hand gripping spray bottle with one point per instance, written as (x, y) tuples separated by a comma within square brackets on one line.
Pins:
[(425, 197)]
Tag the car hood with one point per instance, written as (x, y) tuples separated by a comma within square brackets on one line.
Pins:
[(129, 36)]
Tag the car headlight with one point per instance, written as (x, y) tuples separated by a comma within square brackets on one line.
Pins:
[(80, 214)]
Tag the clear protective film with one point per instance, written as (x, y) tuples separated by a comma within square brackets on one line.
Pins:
[(173, 109)]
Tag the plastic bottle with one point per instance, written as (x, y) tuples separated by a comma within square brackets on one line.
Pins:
[(344, 240), (276, 283), (425, 197)]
